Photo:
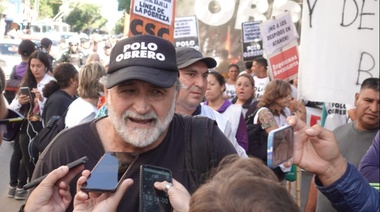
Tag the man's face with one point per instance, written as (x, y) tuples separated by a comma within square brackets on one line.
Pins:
[(107, 50), (194, 80), (140, 111), (256, 68), (73, 46), (367, 109)]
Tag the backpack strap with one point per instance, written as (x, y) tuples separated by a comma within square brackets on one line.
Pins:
[(199, 150)]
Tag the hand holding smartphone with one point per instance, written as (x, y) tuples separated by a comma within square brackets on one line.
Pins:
[(151, 199), (26, 91), (71, 165), (109, 172), (280, 145)]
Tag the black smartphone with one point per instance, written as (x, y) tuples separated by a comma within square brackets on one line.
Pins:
[(280, 145), (151, 199), (25, 91), (71, 165), (109, 172)]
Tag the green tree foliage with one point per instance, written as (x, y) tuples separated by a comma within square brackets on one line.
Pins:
[(119, 26), (124, 5), (47, 8), (85, 16)]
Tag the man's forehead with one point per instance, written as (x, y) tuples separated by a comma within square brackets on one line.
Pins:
[(369, 93), (199, 66), (136, 82)]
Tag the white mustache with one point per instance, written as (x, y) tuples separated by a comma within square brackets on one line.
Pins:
[(131, 114)]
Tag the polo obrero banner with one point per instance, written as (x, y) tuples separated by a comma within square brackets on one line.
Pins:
[(153, 17), (143, 57)]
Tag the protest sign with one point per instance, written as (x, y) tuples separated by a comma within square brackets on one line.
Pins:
[(252, 42), (186, 32), (278, 32), (154, 17), (284, 65), (339, 49)]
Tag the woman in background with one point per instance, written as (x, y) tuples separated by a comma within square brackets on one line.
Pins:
[(60, 91), (31, 107), (233, 113), (85, 108), (245, 92)]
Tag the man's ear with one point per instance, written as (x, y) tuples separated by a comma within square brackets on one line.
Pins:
[(356, 98)]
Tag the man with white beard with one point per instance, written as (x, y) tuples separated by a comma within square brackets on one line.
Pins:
[(142, 89)]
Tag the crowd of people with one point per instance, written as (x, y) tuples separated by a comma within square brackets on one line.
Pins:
[(155, 96)]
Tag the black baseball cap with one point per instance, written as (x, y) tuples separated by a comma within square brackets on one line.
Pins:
[(143, 57), (187, 56)]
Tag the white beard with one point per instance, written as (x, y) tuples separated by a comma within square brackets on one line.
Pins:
[(140, 137)]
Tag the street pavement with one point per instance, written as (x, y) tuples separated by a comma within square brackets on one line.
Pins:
[(12, 205)]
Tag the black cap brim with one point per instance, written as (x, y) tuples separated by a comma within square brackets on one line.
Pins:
[(161, 78), (210, 62)]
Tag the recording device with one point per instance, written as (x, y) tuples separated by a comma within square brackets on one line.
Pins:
[(109, 172), (26, 91), (280, 145), (151, 199), (71, 165)]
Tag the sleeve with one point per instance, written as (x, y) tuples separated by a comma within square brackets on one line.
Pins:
[(351, 192), (53, 108), (242, 133), (369, 166), (15, 105), (228, 132)]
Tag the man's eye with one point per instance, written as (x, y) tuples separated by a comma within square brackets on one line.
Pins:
[(191, 74)]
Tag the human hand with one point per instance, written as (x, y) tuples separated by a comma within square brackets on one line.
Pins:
[(37, 94), (53, 193), (98, 201), (316, 151), (178, 195), (23, 99)]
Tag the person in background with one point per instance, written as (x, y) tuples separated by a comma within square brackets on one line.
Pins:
[(233, 113), (46, 45), (73, 55), (248, 70), (84, 108), (369, 165), (60, 91), (32, 108), (356, 137), (94, 56), (259, 69), (232, 74), (105, 58), (17, 170), (25, 49), (193, 72), (272, 111), (245, 92)]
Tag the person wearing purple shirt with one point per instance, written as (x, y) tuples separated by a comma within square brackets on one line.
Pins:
[(369, 166), (232, 112)]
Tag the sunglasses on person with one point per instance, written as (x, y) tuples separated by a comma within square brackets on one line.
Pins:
[(73, 44)]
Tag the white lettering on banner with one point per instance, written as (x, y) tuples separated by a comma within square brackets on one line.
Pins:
[(140, 50)]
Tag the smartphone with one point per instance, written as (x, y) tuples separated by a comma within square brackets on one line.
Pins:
[(109, 172), (71, 165), (280, 146), (151, 199), (25, 91)]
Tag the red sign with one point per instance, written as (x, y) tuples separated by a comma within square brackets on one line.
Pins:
[(284, 65)]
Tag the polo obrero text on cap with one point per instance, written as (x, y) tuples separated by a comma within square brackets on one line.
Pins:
[(140, 50)]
